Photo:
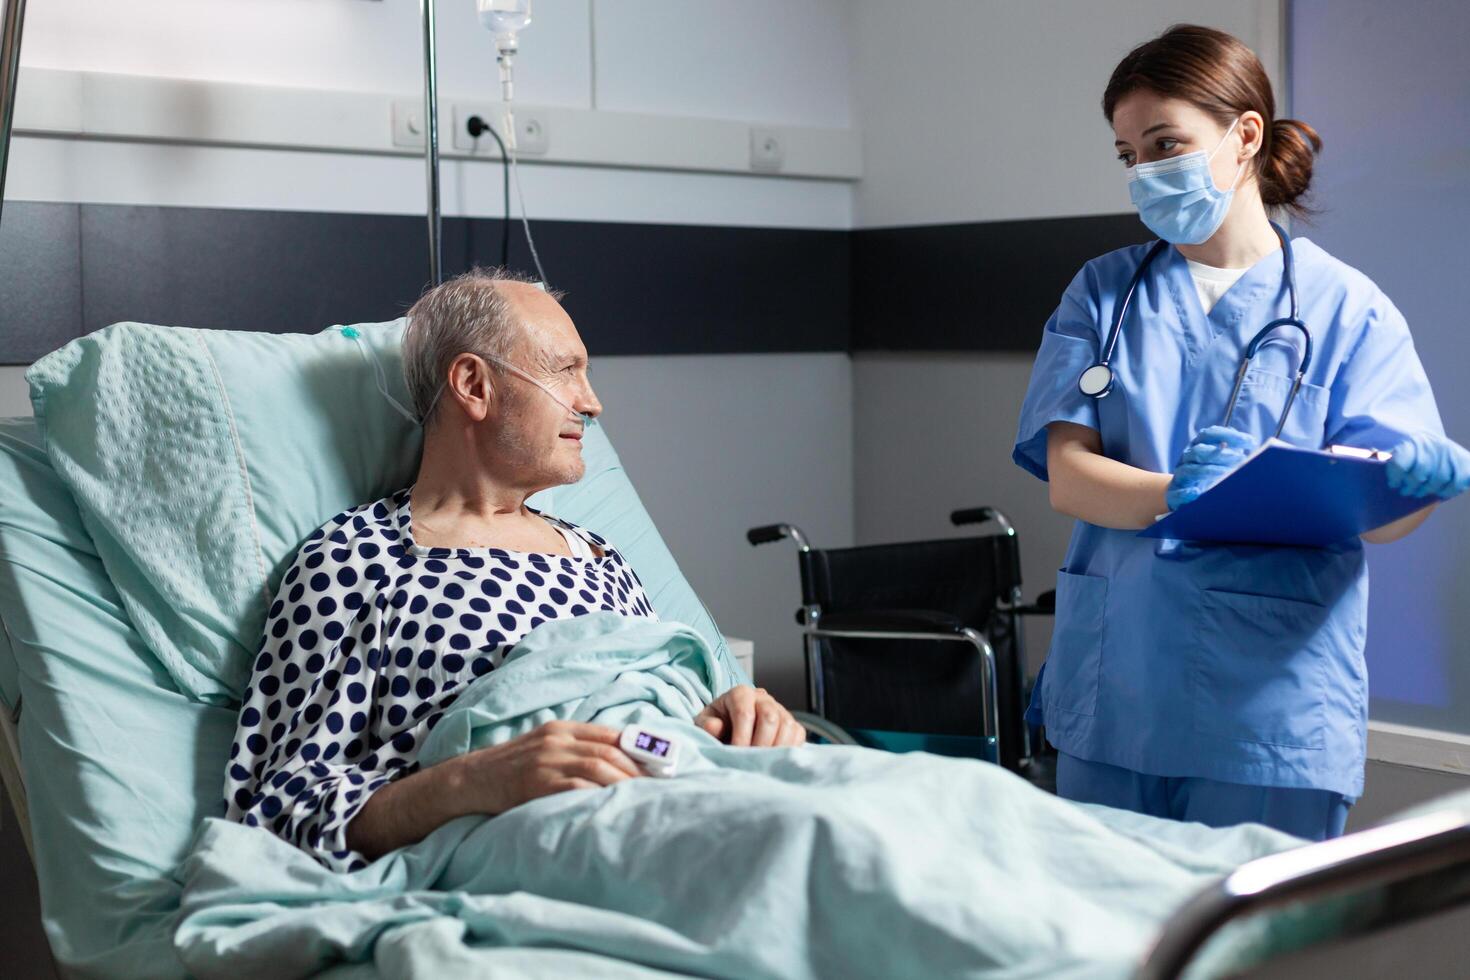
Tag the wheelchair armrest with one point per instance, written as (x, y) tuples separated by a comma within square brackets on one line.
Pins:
[(827, 731), (892, 621), (1045, 605)]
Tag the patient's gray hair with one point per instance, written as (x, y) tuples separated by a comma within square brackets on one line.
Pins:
[(466, 315)]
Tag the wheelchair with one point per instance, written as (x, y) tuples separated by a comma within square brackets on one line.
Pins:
[(917, 645)]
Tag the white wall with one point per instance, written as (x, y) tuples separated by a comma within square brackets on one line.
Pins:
[(108, 172), (765, 60), (769, 60), (934, 434), (986, 110), (720, 444), (336, 44)]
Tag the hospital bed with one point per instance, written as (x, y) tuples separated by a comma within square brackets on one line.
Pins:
[(110, 763)]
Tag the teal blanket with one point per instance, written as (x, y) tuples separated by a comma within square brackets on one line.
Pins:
[(819, 861)]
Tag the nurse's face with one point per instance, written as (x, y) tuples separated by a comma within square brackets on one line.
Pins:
[(1149, 127)]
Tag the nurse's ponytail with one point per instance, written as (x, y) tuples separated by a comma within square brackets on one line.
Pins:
[(1286, 172), (1218, 74)]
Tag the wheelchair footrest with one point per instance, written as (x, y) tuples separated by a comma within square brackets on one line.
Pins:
[(959, 746)]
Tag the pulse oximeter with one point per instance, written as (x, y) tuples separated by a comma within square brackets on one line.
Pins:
[(656, 753)]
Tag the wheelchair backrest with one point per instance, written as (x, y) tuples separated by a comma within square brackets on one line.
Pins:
[(963, 577)]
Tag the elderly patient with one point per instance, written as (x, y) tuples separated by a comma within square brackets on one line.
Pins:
[(392, 608)]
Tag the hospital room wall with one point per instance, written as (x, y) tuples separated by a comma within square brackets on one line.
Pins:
[(715, 442), (934, 428), (1006, 145), (1388, 88)]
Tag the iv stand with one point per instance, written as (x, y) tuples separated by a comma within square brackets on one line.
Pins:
[(431, 143)]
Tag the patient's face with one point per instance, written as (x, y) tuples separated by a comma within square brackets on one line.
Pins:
[(538, 438)]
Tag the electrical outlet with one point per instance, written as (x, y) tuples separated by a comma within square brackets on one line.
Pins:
[(533, 136), (767, 152), (491, 113), (408, 123)]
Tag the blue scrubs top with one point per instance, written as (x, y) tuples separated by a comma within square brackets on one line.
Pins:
[(1236, 663)]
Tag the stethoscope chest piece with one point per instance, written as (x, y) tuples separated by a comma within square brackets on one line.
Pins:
[(1096, 381)]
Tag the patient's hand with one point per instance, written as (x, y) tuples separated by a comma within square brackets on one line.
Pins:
[(747, 715), (557, 756)]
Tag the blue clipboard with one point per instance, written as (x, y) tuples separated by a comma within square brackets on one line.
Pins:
[(1287, 495)]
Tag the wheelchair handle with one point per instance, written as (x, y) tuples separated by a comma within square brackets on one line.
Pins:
[(981, 515), (767, 533)]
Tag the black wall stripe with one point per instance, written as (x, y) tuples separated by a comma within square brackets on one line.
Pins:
[(40, 279), (66, 269), (984, 286)]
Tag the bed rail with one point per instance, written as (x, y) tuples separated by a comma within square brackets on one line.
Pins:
[(1421, 848)]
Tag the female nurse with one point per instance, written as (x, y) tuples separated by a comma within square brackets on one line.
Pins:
[(1221, 684)]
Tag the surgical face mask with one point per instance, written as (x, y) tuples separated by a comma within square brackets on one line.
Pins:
[(507, 366), (1177, 198)]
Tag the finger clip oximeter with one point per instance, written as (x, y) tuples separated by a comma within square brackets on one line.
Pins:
[(657, 754)]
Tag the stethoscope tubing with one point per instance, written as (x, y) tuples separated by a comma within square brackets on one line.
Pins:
[(1294, 320)]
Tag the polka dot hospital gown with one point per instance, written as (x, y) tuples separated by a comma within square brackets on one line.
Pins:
[(369, 640)]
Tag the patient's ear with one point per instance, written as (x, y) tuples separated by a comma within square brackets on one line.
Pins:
[(471, 385)]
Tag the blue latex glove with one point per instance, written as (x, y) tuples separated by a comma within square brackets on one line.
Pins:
[(1214, 452), (1426, 465)]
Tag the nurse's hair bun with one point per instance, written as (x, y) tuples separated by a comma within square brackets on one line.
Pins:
[(1220, 75), (1286, 170)]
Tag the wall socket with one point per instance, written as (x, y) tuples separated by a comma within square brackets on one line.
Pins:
[(533, 133), (767, 152), (408, 122)]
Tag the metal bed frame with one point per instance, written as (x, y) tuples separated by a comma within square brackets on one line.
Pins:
[(1431, 850), (1424, 862)]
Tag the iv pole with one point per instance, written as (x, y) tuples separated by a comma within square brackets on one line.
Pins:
[(431, 143), (10, 31)]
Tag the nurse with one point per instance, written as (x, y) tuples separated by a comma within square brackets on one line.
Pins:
[(1219, 684)]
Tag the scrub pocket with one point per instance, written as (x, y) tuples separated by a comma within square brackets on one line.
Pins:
[(1263, 396), (1074, 665), (1260, 669)]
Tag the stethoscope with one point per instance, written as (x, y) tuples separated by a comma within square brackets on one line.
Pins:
[(1097, 380)]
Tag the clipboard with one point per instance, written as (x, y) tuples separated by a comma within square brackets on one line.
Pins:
[(1284, 494)]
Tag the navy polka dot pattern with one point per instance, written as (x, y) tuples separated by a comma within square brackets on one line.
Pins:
[(370, 639)]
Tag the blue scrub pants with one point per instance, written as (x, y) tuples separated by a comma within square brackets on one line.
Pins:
[(1315, 814)]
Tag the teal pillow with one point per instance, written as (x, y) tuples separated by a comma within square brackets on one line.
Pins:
[(201, 459)]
